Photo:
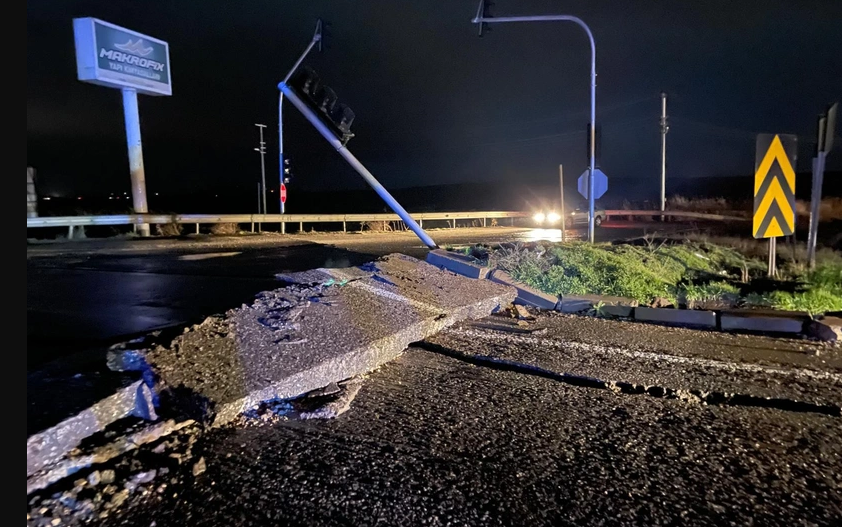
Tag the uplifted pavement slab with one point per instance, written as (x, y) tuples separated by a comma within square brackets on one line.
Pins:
[(690, 364), (326, 326)]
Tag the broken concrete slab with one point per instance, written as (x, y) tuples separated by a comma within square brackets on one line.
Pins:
[(50, 445), (457, 263), (766, 321), (329, 325), (69, 465), (525, 295), (682, 317), (612, 305)]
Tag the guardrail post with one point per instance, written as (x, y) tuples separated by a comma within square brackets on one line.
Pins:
[(252, 225), (197, 228), (70, 231), (483, 222), (453, 225), (300, 226), (283, 227), (344, 228)]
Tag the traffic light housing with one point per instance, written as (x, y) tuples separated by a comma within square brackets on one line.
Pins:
[(324, 102)]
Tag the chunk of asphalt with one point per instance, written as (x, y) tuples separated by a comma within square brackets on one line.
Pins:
[(328, 325)]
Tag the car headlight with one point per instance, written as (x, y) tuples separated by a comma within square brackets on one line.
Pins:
[(553, 217), (539, 217)]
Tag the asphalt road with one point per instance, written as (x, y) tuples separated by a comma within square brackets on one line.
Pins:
[(437, 438), (89, 293)]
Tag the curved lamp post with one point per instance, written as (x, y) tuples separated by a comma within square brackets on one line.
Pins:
[(482, 19)]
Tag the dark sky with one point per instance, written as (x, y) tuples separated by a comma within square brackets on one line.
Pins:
[(435, 103)]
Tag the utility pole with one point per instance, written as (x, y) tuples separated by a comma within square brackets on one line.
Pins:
[(664, 129), (561, 189), (262, 150)]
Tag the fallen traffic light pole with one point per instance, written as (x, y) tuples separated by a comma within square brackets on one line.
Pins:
[(339, 146)]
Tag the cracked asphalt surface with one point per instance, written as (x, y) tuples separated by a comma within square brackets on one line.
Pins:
[(434, 440)]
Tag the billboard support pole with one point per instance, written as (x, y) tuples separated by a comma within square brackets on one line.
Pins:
[(132, 118)]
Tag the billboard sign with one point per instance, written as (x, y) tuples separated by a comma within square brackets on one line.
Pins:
[(116, 57)]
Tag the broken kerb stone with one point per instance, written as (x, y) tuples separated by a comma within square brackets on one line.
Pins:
[(457, 263), (828, 329), (611, 305), (526, 295), (328, 325)]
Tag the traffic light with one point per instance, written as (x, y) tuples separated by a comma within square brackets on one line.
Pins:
[(324, 102), (287, 171)]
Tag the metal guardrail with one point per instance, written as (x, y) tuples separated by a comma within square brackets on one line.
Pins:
[(137, 219), (677, 214)]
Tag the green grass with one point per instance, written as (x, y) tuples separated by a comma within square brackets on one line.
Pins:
[(820, 290), (685, 272)]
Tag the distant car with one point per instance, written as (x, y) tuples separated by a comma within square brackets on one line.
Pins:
[(579, 216), (575, 217)]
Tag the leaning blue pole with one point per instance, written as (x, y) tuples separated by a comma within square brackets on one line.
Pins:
[(355, 163)]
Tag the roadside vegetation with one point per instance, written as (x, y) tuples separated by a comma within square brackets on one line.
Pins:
[(694, 273)]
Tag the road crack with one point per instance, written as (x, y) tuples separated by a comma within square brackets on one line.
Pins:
[(712, 398)]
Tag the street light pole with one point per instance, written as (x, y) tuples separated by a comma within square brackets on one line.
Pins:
[(664, 129), (481, 19), (262, 150)]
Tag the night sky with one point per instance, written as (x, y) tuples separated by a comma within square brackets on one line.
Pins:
[(434, 103)]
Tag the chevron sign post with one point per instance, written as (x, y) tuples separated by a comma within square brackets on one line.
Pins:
[(774, 189)]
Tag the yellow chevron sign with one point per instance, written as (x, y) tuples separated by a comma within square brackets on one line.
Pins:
[(774, 185)]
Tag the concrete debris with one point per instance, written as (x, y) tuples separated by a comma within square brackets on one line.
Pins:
[(328, 325), (94, 478), (523, 313), (101, 454), (337, 406), (199, 467), (49, 446)]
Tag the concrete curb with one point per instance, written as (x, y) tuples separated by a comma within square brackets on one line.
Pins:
[(828, 328), (615, 306), (457, 263), (681, 317), (525, 295), (765, 321)]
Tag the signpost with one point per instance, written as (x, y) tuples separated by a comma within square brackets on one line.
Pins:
[(827, 130), (774, 190), (600, 183), (116, 57)]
